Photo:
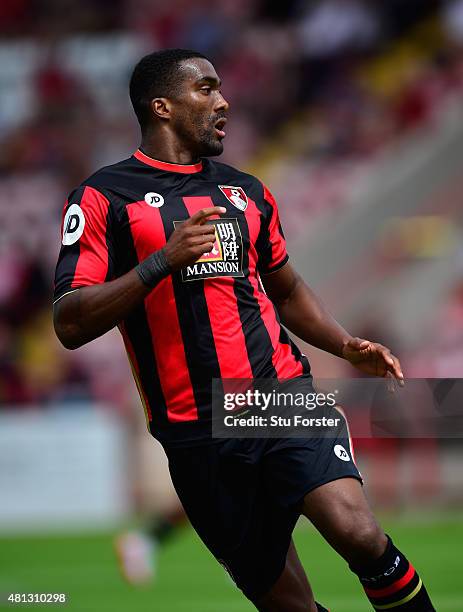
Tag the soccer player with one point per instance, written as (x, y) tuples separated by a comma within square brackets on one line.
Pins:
[(137, 550), (173, 248)]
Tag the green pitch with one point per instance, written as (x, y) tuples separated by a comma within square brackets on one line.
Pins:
[(189, 580)]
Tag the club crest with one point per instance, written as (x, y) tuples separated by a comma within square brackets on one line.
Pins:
[(236, 196)]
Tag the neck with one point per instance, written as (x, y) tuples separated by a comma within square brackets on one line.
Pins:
[(167, 147)]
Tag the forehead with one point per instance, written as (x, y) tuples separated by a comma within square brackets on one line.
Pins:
[(197, 68)]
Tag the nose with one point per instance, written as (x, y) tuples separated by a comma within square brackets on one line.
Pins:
[(222, 104)]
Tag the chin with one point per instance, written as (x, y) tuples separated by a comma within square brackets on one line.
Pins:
[(211, 149)]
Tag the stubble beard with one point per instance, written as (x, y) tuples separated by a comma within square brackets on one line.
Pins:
[(200, 139), (209, 144)]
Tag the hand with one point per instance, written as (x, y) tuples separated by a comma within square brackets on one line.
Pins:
[(372, 358), (192, 239)]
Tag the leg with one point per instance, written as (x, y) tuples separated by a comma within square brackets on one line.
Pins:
[(246, 531), (292, 591), (159, 509), (341, 513)]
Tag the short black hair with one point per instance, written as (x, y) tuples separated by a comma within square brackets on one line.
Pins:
[(157, 75)]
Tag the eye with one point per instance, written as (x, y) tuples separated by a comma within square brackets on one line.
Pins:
[(206, 89)]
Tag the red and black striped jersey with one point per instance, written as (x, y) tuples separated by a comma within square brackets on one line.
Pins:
[(210, 320)]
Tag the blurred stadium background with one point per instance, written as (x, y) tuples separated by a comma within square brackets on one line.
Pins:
[(352, 112)]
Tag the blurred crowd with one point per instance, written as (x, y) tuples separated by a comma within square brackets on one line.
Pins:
[(339, 66)]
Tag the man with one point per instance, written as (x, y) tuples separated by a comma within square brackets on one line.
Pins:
[(172, 248)]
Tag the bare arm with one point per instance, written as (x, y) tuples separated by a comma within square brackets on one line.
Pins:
[(89, 312), (303, 313)]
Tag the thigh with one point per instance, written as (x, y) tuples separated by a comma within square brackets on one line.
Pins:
[(222, 493), (208, 484), (292, 591), (295, 466)]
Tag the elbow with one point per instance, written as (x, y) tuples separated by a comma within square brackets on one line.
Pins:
[(67, 330), (70, 344), (67, 337), (68, 334)]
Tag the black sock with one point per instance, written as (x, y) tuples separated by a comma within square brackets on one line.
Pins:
[(161, 530), (320, 608), (392, 583)]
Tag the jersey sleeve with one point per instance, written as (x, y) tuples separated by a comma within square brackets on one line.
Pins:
[(87, 243), (271, 247)]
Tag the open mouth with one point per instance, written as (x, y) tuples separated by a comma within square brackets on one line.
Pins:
[(219, 127)]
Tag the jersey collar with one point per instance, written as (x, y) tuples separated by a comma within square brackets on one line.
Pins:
[(156, 163)]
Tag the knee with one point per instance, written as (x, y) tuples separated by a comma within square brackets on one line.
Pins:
[(287, 597), (364, 540), (285, 606)]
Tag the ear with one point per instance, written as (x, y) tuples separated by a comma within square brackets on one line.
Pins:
[(161, 108)]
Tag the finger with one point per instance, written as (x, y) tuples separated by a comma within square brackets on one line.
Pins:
[(203, 215), (386, 355), (199, 230), (359, 344), (397, 371), (392, 364), (390, 382), (203, 249), (200, 240)]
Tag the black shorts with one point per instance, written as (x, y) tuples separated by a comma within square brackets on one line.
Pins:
[(244, 496)]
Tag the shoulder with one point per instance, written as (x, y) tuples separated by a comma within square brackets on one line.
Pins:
[(96, 199), (106, 177), (109, 187), (254, 187), (228, 175)]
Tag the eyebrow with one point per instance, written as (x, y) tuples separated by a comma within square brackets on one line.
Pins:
[(210, 80)]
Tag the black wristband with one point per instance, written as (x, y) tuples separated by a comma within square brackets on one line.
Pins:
[(154, 268)]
